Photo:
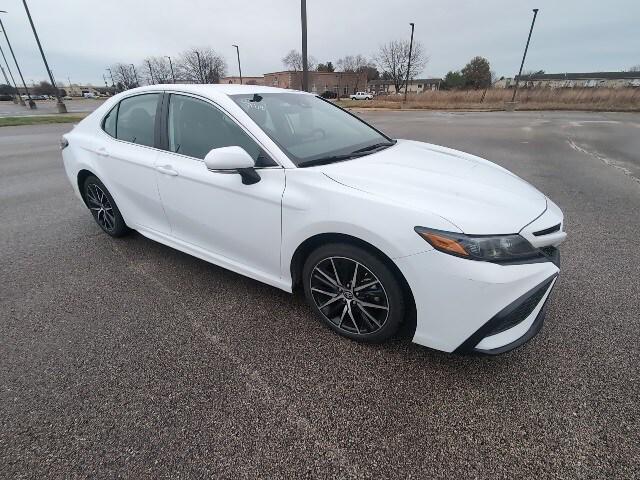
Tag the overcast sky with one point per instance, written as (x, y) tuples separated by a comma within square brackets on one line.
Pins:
[(82, 38)]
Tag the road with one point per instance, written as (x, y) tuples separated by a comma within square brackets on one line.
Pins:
[(126, 358), (48, 107)]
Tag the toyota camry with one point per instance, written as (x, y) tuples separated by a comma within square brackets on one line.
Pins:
[(289, 189)]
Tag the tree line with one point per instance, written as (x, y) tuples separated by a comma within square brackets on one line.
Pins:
[(196, 65)]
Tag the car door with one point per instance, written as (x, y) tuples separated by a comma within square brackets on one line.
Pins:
[(215, 211), (128, 156)]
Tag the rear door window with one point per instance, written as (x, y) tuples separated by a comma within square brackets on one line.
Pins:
[(137, 119)]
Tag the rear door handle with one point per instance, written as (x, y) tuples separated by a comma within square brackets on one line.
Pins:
[(103, 152), (167, 170)]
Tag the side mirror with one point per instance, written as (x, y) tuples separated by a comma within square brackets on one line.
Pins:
[(233, 159)]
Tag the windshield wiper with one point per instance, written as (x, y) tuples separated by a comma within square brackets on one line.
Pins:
[(375, 146), (361, 152), (325, 160)]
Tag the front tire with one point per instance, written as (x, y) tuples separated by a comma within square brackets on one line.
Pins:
[(353, 292), (103, 208)]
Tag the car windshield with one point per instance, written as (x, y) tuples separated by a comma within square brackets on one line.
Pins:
[(310, 130)]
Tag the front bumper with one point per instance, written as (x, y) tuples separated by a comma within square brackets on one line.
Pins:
[(515, 324), (464, 305)]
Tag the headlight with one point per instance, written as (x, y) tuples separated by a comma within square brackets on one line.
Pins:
[(491, 248)]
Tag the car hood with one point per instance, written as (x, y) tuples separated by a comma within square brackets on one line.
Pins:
[(477, 196)]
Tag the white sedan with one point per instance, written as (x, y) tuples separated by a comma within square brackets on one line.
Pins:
[(291, 190)]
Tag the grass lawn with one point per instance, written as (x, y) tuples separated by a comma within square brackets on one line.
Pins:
[(40, 119)]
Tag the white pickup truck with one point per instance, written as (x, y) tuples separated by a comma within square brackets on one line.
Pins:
[(361, 96)]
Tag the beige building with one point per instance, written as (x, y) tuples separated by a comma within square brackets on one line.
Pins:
[(341, 83), (245, 80), (417, 85), (574, 80)]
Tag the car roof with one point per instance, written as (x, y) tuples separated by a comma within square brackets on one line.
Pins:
[(214, 90)]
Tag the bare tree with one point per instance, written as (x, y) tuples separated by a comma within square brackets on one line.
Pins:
[(201, 65), (293, 61), (155, 70), (393, 59), (357, 64), (123, 76), (635, 68)]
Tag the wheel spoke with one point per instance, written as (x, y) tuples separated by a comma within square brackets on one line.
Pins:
[(368, 315), (373, 305), (353, 319), (331, 294), (329, 279), (344, 311), (355, 275), (330, 301), (366, 285), (335, 272)]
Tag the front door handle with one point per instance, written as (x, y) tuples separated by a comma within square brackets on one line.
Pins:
[(167, 170)]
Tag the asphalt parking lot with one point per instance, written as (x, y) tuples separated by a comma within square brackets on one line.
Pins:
[(48, 107), (126, 358)]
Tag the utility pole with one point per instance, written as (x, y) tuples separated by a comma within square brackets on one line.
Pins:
[(406, 85), (16, 97), (150, 71), (32, 104), (135, 75), (200, 67), (171, 67), (239, 67), (62, 108), (515, 88), (305, 65)]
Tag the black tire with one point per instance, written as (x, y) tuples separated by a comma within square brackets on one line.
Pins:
[(363, 313), (103, 208)]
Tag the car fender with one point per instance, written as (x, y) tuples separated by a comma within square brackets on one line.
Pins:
[(314, 204)]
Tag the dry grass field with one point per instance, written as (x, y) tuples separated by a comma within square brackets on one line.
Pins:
[(586, 99)]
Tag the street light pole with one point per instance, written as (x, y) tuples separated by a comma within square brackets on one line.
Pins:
[(406, 85), (515, 88), (171, 67), (62, 108), (32, 104), (135, 74), (16, 97), (305, 65), (239, 67)]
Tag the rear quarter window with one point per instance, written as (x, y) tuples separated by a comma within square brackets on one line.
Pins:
[(109, 122)]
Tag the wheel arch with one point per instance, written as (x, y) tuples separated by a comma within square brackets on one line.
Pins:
[(81, 177), (310, 244)]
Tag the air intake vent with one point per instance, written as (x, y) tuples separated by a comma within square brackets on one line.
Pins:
[(547, 231)]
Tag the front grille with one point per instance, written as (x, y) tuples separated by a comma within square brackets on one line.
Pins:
[(521, 312), (547, 231)]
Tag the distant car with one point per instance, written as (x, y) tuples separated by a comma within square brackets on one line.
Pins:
[(329, 94), (289, 189), (361, 96), (67, 97), (89, 95), (4, 97)]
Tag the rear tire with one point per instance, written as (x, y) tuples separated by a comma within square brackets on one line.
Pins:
[(103, 208), (353, 292)]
